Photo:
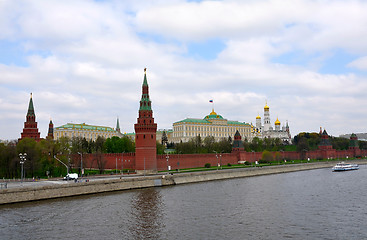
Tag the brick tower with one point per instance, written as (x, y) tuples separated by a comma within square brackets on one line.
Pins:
[(30, 129), (237, 143), (145, 134), (50, 134)]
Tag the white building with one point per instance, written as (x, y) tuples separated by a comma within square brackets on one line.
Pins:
[(267, 131)]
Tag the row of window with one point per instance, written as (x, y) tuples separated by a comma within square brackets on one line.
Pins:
[(87, 135), (210, 129)]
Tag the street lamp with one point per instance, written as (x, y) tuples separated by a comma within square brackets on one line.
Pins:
[(81, 163), (23, 158), (167, 157), (67, 167), (122, 163), (216, 155)]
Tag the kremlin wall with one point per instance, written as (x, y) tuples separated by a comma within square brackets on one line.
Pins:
[(145, 159)]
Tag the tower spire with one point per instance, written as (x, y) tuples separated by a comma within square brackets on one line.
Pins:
[(145, 103), (30, 107), (118, 125)]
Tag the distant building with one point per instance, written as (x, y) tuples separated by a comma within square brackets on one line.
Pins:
[(211, 125), (89, 132), (267, 131), (30, 129)]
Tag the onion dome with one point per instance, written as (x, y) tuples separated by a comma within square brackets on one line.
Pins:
[(258, 117), (277, 122), (266, 106)]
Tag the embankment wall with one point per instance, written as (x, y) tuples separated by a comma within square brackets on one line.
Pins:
[(108, 185)]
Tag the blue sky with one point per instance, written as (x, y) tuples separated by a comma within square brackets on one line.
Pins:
[(84, 62)]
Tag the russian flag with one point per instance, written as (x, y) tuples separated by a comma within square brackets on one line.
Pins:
[(211, 101)]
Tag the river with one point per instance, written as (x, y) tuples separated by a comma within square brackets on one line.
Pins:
[(315, 204)]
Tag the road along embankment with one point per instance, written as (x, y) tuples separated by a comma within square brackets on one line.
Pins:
[(24, 194)]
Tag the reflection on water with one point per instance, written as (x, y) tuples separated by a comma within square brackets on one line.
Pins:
[(147, 214)]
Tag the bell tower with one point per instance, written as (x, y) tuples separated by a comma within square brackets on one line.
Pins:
[(145, 134)]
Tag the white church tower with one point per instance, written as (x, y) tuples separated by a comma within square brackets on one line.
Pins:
[(267, 124)]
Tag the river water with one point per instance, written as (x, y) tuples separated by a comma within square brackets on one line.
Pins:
[(315, 204)]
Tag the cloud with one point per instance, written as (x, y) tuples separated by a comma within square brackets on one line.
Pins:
[(85, 61), (360, 63)]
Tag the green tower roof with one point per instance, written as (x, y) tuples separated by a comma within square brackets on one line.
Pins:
[(30, 107), (145, 103)]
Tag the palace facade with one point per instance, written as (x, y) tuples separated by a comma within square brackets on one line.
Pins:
[(89, 132), (211, 125)]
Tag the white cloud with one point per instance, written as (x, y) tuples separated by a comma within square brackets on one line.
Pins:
[(360, 63), (86, 60)]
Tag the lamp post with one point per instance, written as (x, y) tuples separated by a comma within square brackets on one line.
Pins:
[(81, 162), (216, 155), (23, 158), (116, 166), (67, 167), (122, 163), (220, 160), (167, 157)]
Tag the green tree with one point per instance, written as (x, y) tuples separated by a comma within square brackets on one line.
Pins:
[(267, 156), (32, 163), (278, 157), (9, 161), (160, 148)]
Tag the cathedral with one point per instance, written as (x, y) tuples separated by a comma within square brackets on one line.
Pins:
[(267, 130)]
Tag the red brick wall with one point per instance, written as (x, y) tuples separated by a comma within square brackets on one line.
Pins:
[(180, 161)]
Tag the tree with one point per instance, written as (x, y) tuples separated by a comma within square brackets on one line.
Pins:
[(99, 144), (160, 148), (278, 157), (101, 161), (267, 156), (302, 147), (119, 145), (32, 163), (164, 138), (9, 161)]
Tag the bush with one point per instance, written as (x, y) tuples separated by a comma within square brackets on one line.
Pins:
[(247, 163), (207, 165), (262, 161), (229, 164)]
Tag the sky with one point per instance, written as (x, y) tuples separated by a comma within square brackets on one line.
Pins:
[(84, 62)]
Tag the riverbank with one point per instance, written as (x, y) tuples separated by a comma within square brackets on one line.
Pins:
[(25, 194)]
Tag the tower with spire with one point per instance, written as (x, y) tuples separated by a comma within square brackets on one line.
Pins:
[(145, 134), (50, 134), (30, 129), (118, 126)]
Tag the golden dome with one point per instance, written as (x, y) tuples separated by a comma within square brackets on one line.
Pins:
[(277, 122), (266, 106), (213, 113), (258, 117)]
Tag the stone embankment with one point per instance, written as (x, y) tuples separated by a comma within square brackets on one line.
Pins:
[(25, 194)]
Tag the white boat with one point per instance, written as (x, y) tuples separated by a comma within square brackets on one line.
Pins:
[(345, 167)]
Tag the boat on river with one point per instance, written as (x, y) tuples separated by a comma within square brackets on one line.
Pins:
[(345, 167)]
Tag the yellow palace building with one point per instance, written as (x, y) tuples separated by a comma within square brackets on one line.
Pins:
[(89, 132), (211, 125)]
